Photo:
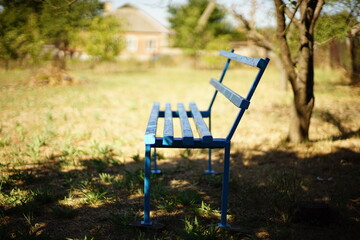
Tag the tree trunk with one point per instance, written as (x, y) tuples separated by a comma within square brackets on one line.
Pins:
[(355, 54), (59, 60), (303, 87), (304, 99), (205, 16), (303, 106), (301, 78)]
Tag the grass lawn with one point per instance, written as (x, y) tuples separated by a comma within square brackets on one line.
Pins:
[(71, 159)]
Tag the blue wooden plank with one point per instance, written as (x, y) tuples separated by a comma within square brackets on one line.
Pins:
[(220, 80), (235, 98), (201, 126), (187, 135), (198, 143), (255, 62), (168, 126), (175, 114), (150, 132)]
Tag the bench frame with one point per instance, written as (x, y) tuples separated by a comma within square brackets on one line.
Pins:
[(206, 141)]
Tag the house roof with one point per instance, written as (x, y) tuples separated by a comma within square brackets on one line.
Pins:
[(136, 20)]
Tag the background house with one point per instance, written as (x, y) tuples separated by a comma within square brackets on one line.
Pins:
[(146, 38)]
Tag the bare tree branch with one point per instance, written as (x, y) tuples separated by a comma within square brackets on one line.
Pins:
[(242, 19), (205, 16), (317, 11), (253, 34), (291, 15), (324, 42), (68, 4), (285, 55), (253, 12)]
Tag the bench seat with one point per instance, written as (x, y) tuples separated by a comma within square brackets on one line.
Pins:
[(168, 140)]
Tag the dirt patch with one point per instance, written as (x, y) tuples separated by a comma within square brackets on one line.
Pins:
[(52, 76)]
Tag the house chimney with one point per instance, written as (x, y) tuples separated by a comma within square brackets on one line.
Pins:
[(107, 6)]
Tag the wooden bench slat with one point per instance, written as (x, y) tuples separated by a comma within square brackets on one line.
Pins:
[(201, 126), (150, 133), (235, 98), (255, 62), (168, 126), (188, 137)]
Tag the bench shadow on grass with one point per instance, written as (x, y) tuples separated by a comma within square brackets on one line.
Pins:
[(100, 197), (300, 197)]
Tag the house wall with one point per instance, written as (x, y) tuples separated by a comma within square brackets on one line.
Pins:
[(143, 46)]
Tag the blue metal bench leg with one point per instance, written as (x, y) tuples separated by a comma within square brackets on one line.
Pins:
[(155, 170), (225, 189), (147, 186), (209, 170)]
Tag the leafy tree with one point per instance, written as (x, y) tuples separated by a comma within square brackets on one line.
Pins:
[(190, 35), (26, 25), (332, 26), (215, 61), (18, 29), (59, 21), (29, 42), (103, 39), (342, 21)]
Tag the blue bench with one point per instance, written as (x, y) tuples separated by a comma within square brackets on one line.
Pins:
[(205, 140)]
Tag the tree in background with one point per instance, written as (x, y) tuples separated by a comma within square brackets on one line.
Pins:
[(103, 39), (198, 23), (355, 54), (61, 21), (294, 44), (19, 30), (352, 7), (26, 25), (340, 22)]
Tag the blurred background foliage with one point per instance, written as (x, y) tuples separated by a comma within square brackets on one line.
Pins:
[(31, 30), (26, 27)]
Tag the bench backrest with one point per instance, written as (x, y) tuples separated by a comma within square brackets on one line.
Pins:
[(236, 99)]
